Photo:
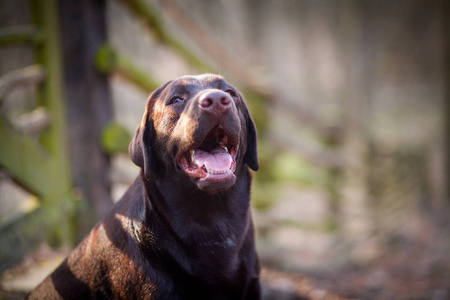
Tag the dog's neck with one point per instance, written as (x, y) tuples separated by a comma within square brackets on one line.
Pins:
[(198, 208), (217, 223)]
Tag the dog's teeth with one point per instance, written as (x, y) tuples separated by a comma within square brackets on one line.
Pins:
[(212, 172), (222, 145), (192, 155)]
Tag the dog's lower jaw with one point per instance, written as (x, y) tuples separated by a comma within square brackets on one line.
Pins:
[(216, 183)]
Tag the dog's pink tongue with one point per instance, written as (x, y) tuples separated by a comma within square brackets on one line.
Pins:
[(218, 160)]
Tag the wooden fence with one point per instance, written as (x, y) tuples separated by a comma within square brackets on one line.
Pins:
[(42, 162)]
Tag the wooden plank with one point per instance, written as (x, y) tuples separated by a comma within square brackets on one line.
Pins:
[(34, 74), (445, 8), (51, 93), (154, 22), (23, 159), (89, 104), (56, 195), (110, 61), (25, 34)]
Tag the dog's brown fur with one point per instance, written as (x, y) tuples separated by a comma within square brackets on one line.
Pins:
[(173, 235)]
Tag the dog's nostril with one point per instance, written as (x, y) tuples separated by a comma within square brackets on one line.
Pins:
[(224, 101), (206, 102)]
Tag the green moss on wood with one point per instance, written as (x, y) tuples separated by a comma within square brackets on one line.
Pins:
[(105, 60), (115, 139), (24, 159), (155, 23), (20, 35), (57, 200), (109, 60)]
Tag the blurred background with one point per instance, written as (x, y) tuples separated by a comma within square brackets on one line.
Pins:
[(351, 101)]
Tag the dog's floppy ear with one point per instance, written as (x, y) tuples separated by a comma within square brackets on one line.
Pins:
[(140, 148), (251, 156)]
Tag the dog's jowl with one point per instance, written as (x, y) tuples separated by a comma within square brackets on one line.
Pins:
[(183, 230)]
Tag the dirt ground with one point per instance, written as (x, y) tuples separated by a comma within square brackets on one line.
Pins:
[(389, 280)]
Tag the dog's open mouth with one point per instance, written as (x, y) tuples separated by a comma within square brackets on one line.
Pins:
[(215, 158)]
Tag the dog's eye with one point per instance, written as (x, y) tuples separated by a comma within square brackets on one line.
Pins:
[(176, 100), (231, 92)]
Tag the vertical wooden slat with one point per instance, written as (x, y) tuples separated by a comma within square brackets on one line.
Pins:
[(445, 5), (57, 198), (89, 104)]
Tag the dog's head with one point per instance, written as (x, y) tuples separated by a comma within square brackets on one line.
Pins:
[(199, 129)]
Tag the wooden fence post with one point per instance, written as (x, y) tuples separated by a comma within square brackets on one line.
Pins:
[(89, 105)]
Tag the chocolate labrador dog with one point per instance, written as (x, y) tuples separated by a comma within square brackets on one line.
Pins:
[(183, 230)]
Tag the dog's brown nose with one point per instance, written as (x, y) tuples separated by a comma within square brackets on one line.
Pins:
[(215, 101)]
